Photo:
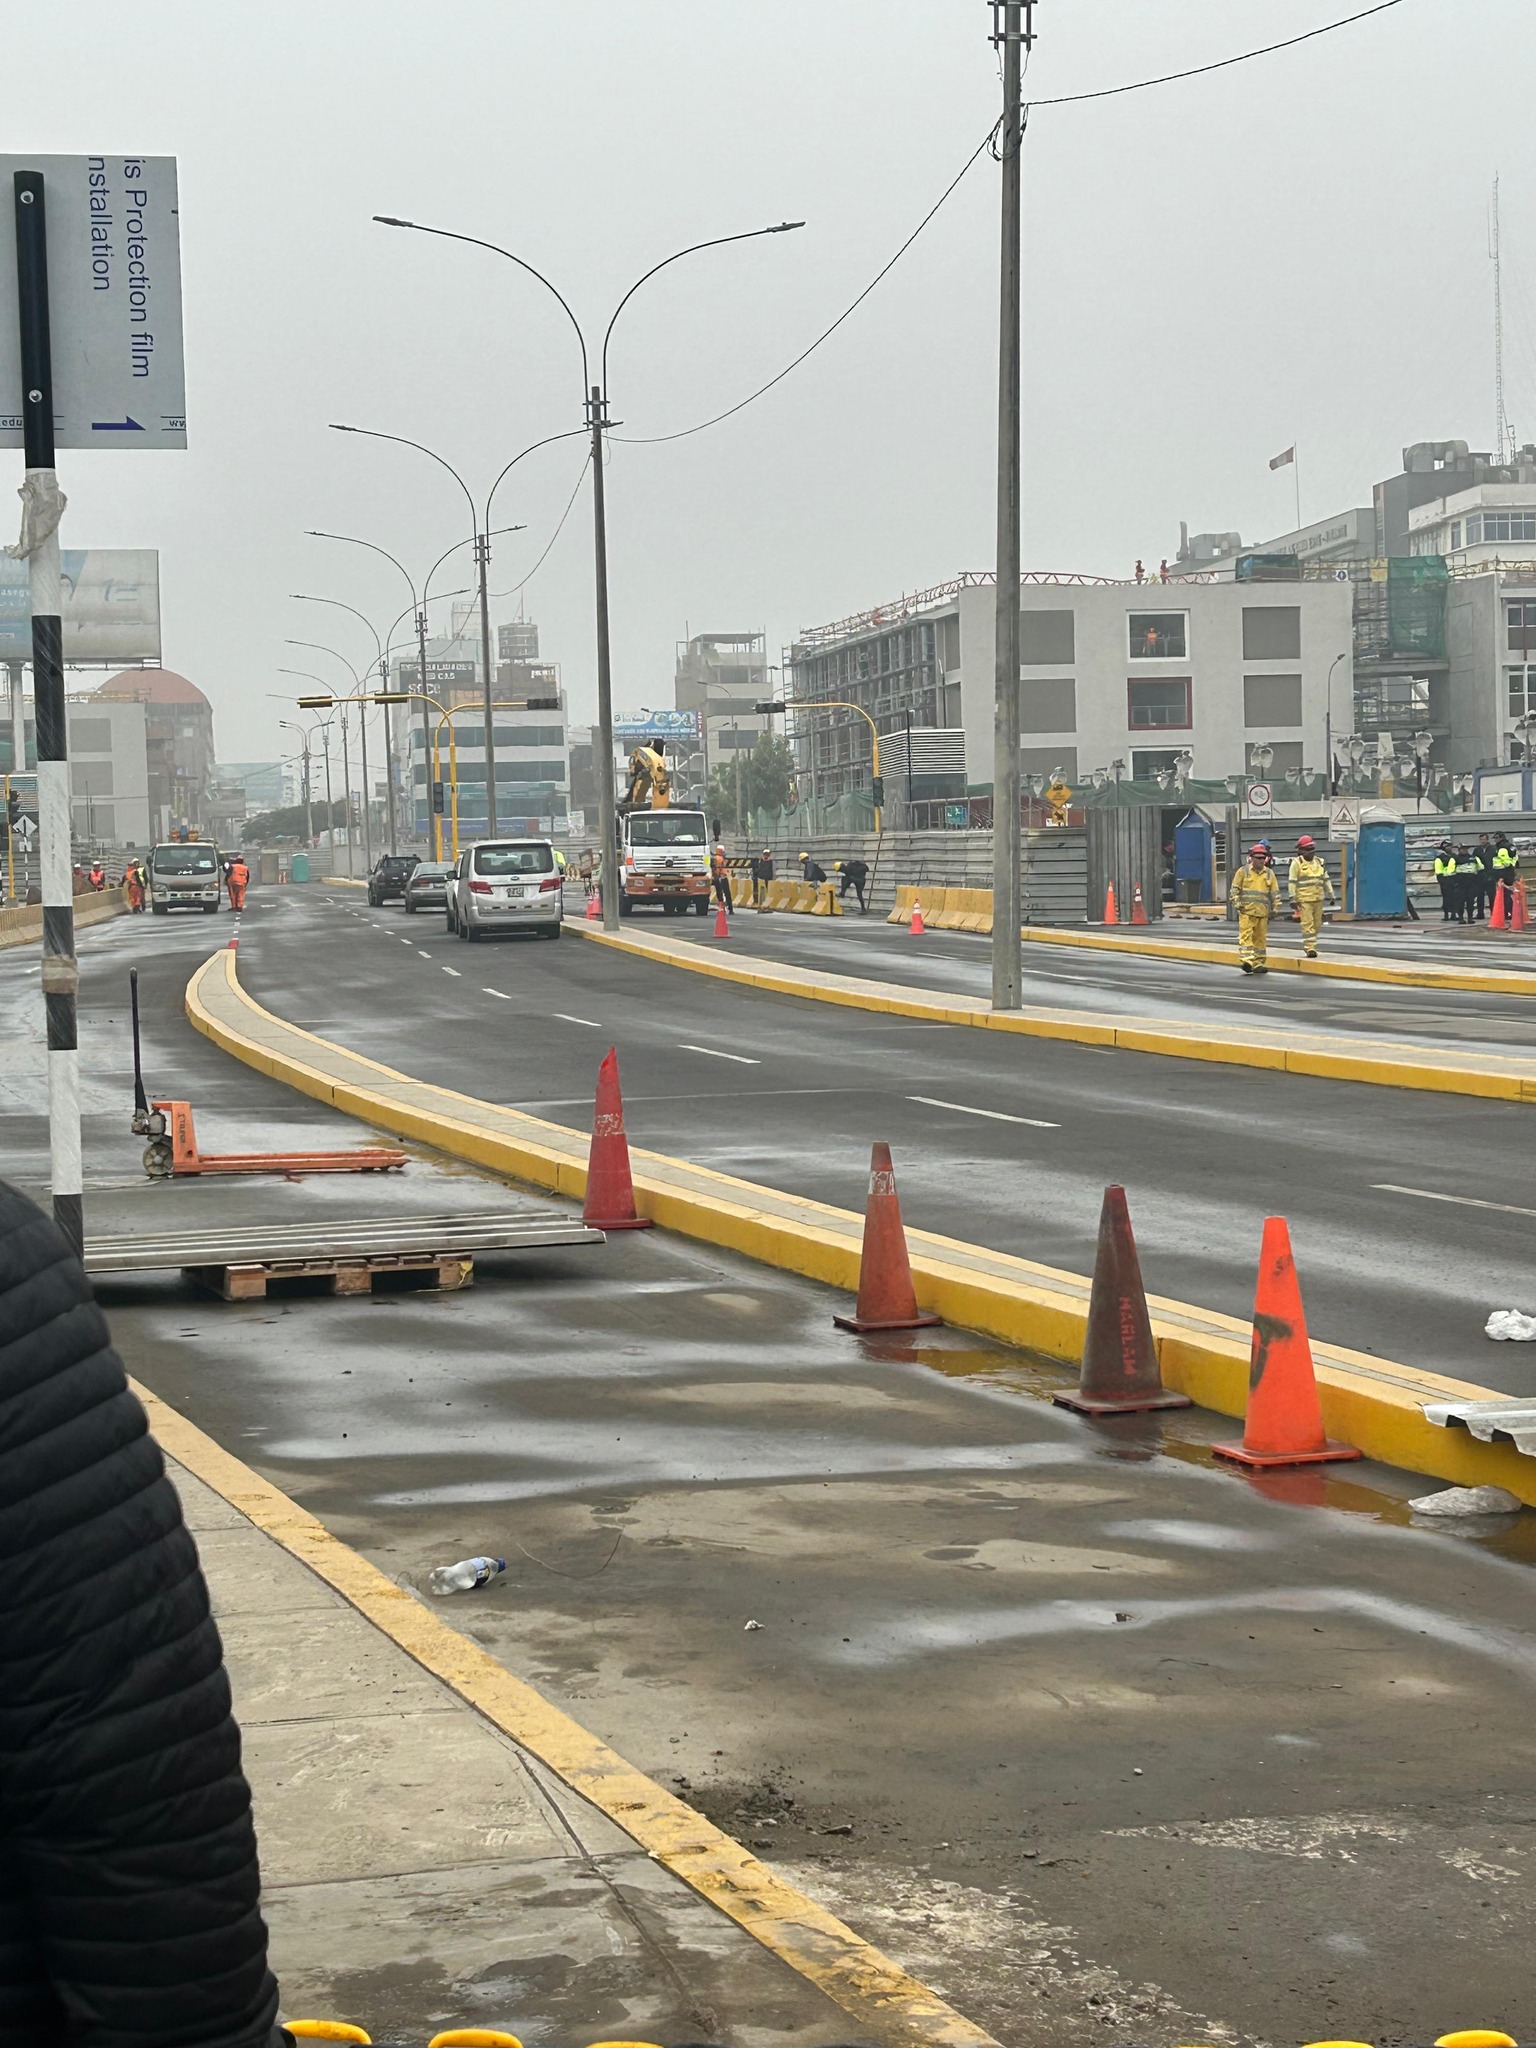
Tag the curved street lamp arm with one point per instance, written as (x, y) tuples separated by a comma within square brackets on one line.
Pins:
[(783, 227), (467, 543), (303, 597), (570, 434), (474, 241), (319, 648), (352, 540), (402, 441)]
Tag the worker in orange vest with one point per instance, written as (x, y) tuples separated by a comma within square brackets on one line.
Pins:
[(239, 875)]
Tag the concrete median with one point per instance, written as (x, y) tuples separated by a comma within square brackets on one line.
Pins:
[(1367, 1401)]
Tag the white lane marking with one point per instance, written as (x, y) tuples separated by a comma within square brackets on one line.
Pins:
[(710, 1052), (998, 1115), (450, 970), (564, 1019), (1386, 1187), (496, 992), (424, 953)]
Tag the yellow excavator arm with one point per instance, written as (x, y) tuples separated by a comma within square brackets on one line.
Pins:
[(650, 780)]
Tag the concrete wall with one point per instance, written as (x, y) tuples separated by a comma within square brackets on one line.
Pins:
[(1054, 880)]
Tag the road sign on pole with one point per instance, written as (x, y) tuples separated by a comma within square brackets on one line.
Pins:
[(114, 293), (1260, 800)]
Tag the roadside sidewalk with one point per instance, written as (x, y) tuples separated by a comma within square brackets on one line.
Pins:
[(422, 1869)]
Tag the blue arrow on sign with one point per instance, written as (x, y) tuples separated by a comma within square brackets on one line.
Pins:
[(126, 425)]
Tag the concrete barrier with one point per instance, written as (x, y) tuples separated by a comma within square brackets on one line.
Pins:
[(22, 923)]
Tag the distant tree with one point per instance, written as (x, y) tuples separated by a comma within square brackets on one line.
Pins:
[(767, 776), (274, 828)]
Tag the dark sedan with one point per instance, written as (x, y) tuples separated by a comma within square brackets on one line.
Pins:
[(390, 874)]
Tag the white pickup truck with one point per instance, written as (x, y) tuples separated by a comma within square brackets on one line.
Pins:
[(665, 861)]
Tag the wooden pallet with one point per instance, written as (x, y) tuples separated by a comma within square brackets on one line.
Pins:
[(422, 1272)]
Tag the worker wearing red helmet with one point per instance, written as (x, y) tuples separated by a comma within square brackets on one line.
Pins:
[(1256, 899), (1308, 883)]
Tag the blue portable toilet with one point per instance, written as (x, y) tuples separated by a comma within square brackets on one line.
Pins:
[(1194, 841), (298, 868), (1378, 868)]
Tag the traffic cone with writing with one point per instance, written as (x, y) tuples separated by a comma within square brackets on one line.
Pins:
[(1138, 908), (594, 910), (1111, 914), (886, 1300), (917, 927), (1284, 1422), (1120, 1373), (610, 1202), (722, 922)]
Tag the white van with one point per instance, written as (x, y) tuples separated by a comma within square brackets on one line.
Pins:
[(506, 885)]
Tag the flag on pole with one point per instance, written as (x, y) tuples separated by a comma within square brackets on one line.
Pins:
[(1287, 455)]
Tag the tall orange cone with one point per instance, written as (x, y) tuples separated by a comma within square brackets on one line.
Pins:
[(1284, 1423), (610, 1203), (1519, 913), (594, 910), (1498, 917), (1120, 1370), (1138, 908), (722, 923), (1111, 914), (886, 1300), (917, 927)]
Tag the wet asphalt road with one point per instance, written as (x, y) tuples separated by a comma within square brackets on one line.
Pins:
[(1105, 1743), (792, 1094)]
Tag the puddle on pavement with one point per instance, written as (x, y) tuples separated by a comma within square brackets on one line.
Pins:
[(1378, 1492)]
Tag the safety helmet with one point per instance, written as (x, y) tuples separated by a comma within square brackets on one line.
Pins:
[(1306, 843), (1261, 846), (805, 856)]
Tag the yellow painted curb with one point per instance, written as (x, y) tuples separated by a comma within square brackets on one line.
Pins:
[(1377, 1062), (876, 1992), (1371, 1402)]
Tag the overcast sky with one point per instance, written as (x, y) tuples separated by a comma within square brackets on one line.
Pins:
[(1294, 250)]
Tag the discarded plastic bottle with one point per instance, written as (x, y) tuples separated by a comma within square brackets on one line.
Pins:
[(466, 1577)]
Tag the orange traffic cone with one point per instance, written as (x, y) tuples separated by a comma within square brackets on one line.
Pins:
[(1111, 915), (1120, 1370), (886, 1297), (1284, 1423), (1498, 917), (917, 927), (594, 910), (1519, 911), (722, 922), (1138, 908), (610, 1203)]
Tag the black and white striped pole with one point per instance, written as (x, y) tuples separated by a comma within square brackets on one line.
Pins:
[(42, 508)]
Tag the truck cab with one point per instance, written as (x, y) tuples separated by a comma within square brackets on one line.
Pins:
[(664, 856), (184, 874)]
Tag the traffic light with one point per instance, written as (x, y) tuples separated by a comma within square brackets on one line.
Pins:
[(13, 807), (542, 704), (878, 790), (437, 799)]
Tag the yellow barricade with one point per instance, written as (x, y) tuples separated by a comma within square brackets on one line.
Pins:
[(935, 902), (902, 914), (824, 901)]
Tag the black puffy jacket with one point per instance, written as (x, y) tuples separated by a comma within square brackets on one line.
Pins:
[(128, 1880)]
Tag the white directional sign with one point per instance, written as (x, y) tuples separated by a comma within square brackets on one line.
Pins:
[(114, 302), (1344, 818)]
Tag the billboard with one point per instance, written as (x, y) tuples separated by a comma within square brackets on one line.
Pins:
[(111, 609), (656, 725)]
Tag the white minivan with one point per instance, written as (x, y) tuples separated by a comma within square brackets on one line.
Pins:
[(506, 885)]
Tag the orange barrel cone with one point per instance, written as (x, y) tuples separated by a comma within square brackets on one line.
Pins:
[(594, 910), (1519, 914), (610, 1203), (886, 1297), (1284, 1423), (1111, 914), (1138, 908), (917, 927), (722, 922), (1120, 1370)]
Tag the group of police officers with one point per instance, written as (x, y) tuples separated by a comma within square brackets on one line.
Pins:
[(1469, 876)]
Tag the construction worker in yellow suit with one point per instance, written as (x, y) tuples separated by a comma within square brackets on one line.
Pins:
[(1256, 897), (1308, 883)]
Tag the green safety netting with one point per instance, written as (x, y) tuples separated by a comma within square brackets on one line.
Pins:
[(836, 817)]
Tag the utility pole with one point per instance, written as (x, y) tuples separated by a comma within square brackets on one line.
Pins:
[(483, 557), (43, 505), (426, 728), (1013, 33), (607, 795)]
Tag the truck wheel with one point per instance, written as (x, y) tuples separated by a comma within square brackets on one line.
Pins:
[(158, 909), (626, 906), (209, 909), (700, 906)]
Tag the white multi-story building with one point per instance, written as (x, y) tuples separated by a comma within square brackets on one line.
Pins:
[(1129, 673), (108, 770)]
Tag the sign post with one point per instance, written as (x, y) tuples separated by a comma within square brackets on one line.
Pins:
[(105, 314)]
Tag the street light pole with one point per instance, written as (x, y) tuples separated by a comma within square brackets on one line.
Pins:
[(1013, 30)]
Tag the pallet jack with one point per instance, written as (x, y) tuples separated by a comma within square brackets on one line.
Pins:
[(172, 1151)]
